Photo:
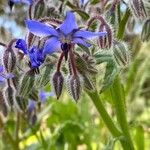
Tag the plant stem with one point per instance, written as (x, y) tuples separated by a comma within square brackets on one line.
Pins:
[(107, 119), (17, 130), (119, 102), (105, 116), (122, 24)]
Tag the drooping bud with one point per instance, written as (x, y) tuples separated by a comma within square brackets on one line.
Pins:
[(27, 84), (138, 9), (57, 82), (39, 9), (3, 106), (10, 95), (74, 87), (121, 54), (105, 42), (145, 35), (9, 59)]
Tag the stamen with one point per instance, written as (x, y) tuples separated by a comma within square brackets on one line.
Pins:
[(65, 48)]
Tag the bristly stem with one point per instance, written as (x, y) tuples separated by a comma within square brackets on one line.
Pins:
[(102, 111), (118, 97), (107, 119), (9, 47), (59, 62)]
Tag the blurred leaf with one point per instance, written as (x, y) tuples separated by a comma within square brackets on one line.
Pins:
[(139, 138)]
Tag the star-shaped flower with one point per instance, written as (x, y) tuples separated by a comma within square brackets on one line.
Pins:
[(35, 55), (64, 36)]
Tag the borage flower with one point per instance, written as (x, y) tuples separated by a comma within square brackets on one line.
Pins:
[(44, 95), (12, 2), (31, 108), (4, 76), (35, 55), (63, 37)]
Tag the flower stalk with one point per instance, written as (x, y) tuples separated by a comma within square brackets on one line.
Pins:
[(119, 102)]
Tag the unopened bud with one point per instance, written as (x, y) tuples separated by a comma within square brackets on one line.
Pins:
[(39, 9), (10, 95), (27, 84), (145, 35), (74, 86), (9, 59), (138, 9), (105, 42), (121, 54), (57, 82)]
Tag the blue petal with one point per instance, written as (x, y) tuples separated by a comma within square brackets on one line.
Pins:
[(22, 1), (1, 68), (40, 29), (83, 2), (51, 45), (40, 56), (36, 57), (88, 34), (31, 105), (81, 41), (42, 96), (2, 79), (69, 23), (21, 44), (9, 76)]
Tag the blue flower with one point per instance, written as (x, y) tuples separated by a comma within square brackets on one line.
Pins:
[(64, 36), (35, 55), (83, 2), (44, 95), (31, 105), (12, 2), (4, 76)]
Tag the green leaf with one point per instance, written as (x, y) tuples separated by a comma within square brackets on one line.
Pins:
[(83, 14), (139, 138), (110, 74)]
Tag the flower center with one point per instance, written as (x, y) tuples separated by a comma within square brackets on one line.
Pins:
[(65, 48)]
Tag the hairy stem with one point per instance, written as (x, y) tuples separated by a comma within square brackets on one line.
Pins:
[(107, 119), (117, 93)]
